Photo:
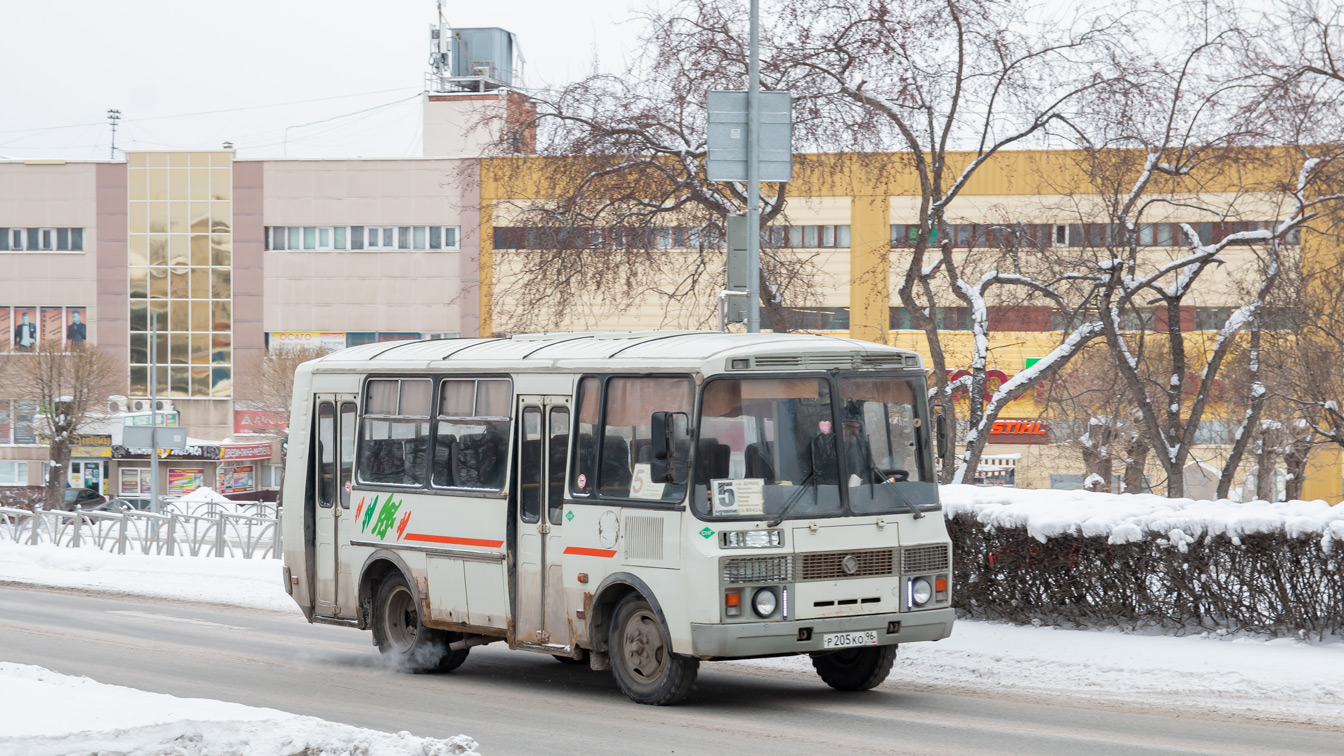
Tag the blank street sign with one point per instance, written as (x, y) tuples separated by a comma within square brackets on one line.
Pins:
[(138, 437), (728, 136)]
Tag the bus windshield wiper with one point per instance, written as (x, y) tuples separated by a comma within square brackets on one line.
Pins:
[(887, 482), (795, 498)]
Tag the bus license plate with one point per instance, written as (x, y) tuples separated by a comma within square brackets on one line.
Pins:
[(849, 640)]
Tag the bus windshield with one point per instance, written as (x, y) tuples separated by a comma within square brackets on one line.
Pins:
[(810, 447)]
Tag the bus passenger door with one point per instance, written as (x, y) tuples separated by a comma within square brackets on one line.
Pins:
[(333, 457), (540, 611)]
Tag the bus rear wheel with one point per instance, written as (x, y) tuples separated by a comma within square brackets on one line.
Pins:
[(855, 668), (641, 656), (402, 637)]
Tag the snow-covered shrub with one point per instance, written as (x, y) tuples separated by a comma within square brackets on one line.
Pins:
[(1098, 559)]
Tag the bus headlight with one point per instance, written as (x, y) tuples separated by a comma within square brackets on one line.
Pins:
[(764, 602), (920, 592)]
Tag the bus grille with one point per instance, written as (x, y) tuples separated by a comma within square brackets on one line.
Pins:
[(831, 565), (920, 559), (766, 569)]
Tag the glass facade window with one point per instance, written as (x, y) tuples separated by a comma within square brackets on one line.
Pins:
[(184, 290)]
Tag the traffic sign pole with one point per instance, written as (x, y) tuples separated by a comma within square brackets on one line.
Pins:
[(753, 174)]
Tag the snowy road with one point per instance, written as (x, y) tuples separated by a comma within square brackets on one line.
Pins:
[(515, 703)]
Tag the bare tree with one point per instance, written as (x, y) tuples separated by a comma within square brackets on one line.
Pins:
[(627, 210), (270, 387), (71, 389), (951, 84)]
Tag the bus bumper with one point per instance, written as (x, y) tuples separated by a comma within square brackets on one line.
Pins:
[(750, 639)]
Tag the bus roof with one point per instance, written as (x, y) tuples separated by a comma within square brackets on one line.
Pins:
[(600, 352)]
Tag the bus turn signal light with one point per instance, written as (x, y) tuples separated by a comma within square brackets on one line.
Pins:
[(732, 603), (940, 585)]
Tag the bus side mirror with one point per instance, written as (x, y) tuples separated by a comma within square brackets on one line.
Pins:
[(668, 456), (940, 435)]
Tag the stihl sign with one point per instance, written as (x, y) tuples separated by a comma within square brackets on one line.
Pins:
[(1019, 432)]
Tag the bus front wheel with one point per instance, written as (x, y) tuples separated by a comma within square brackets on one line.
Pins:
[(855, 668), (402, 637), (641, 656)]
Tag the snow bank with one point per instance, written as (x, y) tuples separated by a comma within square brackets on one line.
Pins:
[(1127, 518), (50, 714), (254, 583), (1282, 679)]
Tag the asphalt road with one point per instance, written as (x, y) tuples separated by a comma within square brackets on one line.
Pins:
[(520, 703)]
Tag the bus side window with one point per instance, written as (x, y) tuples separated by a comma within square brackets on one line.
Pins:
[(583, 476), (395, 440), (471, 433), (625, 470)]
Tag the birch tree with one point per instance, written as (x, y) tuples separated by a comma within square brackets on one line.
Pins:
[(950, 84)]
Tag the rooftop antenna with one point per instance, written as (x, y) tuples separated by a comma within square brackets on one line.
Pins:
[(440, 48), (114, 115)]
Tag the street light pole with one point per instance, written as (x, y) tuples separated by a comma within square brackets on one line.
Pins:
[(753, 174), (153, 410)]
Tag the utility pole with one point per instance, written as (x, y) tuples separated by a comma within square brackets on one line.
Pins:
[(153, 411), (754, 174), (114, 115)]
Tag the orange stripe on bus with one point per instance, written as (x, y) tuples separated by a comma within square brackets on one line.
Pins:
[(455, 541), (581, 551)]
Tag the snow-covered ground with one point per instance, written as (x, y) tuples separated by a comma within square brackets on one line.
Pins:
[(50, 714), (1280, 679)]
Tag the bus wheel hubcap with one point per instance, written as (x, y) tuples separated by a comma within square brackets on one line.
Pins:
[(402, 619), (644, 651)]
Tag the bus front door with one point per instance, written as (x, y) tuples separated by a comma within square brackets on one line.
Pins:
[(540, 612), (334, 461)]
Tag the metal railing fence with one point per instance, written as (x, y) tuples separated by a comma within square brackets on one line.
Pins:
[(208, 530)]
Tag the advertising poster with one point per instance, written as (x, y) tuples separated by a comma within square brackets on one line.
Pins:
[(236, 479), (53, 327), (184, 480), (6, 421), (6, 324), (25, 427), (76, 325), (25, 328), (93, 476)]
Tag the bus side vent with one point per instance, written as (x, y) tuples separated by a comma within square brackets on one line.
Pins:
[(767, 361), (920, 559), (644, 538), (881, 361)]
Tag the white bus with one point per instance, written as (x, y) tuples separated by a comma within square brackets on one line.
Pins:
[(639, 501)]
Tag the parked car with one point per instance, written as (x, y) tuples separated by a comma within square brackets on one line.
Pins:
[(82, 498)]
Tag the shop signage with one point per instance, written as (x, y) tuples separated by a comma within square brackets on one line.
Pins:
[(259, 421), (231, 452), (1019, 432), (165, 419), (95, 445), (203, 453), (301, 340)]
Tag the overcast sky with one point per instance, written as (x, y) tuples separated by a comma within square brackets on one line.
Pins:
[(64, 64)]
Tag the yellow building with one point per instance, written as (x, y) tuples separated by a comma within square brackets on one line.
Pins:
[(847, 213)]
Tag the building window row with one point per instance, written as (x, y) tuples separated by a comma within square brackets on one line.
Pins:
[(48, 327), (331, 341), (362, 238), (41, 240), (662, 237), (1038, 235)]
